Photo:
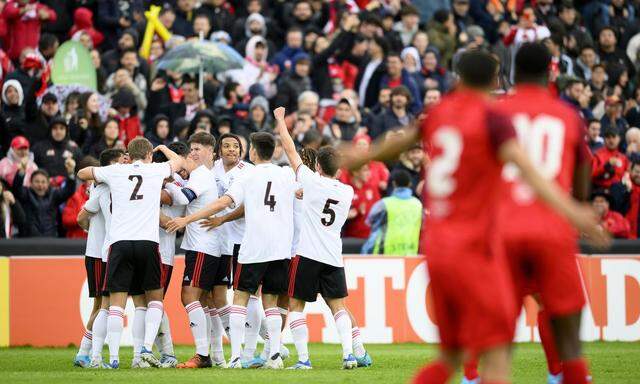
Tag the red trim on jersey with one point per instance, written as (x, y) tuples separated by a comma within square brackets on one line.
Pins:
[(236, 277), (292, 274)]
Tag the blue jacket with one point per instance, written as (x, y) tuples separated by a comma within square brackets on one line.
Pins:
[(285, 54), (408, 81)]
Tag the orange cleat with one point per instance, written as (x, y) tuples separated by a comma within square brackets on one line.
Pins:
[(196, 361)]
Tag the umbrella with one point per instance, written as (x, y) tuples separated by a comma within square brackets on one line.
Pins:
[(200, 56), (62, 91)]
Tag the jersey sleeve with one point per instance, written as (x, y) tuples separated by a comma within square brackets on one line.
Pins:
[(500, 129), (93, 204), (103, 174), (198, 182), (164, 169), (236, 190), (304, 175)]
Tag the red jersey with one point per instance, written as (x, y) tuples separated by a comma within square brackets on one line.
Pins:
[(552, 134), (463, 180), (609, 167)]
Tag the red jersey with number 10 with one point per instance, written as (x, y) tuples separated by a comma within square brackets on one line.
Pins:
[(463, 181), (552, 134)]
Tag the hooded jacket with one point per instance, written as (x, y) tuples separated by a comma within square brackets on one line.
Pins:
[(9, 167), (23, 30), (50, 155), (83, 21), (152, 131), (13, 116)]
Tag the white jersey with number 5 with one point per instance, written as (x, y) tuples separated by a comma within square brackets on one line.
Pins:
[(325, 207), (267, 192), (135, 199)]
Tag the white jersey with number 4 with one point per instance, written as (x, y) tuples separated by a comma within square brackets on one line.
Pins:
[(325, 207), (203, 184), (267, 192), (97, 230), (135, 198), (233, 231)]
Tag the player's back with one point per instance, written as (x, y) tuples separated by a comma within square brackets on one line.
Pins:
[(552, 134), (267, 192), (463, 179)]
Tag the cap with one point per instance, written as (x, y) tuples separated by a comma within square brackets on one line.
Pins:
[(20, 142), (49, 98)]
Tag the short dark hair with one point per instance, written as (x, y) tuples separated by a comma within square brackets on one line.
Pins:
[(179, 147), (401, 178), (403, 91), (264, 143), (593, 120), (108, 156), (441, 15), (188, 79), (47, 40), (228, 88), (329, 160), (128, 50), (227, 136), (202, 138), (310, 137), (477, 68), (532, 63), (380, 41), (39, 172)]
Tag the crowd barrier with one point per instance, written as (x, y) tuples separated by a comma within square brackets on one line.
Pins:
[(44, 301)]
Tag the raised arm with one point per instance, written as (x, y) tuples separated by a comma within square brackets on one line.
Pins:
[(383, 149), (176, 161), (287, 142), (86, 174), (212, 209)]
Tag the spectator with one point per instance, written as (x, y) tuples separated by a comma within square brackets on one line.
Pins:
[(124, 109), (12, 217), (432, 97), (256, 69), (259, 118), (610, 52), (609, 164), (75, 203), (52, 153), (47, 47), (613, 116), (255, 25), (461, 15), (365, 195), (18, 154), (24, 20), (83, 22), (442, 34), (284, 58), (13, 112), (202, 27), (433, 74), (408, 24), (86, 126), (379, 174), (586, 61), (128, 40), (203, 121), (71, 106), (159, 133), (217, 11), (396, 75), (108, 139), (413, 162), (183, 23), (292, 85), (594, 140), (396, 116), (40, 201), (568, 16), (344, 125), (49, 109), (610, 221), (64, 13), (370, 72), (114, 16), (190, 103), (122, 79), (625, 198), (395, 221)]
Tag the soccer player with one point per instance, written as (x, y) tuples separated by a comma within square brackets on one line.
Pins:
[(203, 266), (470, 144), (318, 266), (267, 192), (91, 219), (134, 261)]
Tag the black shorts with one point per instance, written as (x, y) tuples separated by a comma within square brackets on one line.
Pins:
[(205, 271), (133, 266), (96, 271), (165, 276), (272, 275), (233, 263), (308, 277)]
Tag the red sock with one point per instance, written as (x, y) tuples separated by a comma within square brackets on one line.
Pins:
[(434, 373), (575, 372), (548, 343), (471, 369)]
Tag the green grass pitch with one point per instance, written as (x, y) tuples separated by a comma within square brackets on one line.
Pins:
[(611, 363)]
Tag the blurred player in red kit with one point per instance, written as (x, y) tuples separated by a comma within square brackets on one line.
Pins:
[(543, 261), (470, 143)]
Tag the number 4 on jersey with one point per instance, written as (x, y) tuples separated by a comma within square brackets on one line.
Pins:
[(269, 200)]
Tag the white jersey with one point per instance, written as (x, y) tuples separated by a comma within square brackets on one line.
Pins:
[(203, 184), (97, 230), (233, 231), (297, 222), (267, 192), (167, 243), (135, 197), (326, 204)]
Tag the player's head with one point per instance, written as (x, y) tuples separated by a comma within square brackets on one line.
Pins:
[(328, 161), (229, 149), (401, 179), (262, 146), (532, 63), (308, 156), (478, 69), (140, 149), (179, 147), (201, 145), (111, 156)]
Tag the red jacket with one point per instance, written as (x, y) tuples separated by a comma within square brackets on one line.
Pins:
[(83, 21), (130, 128), (604, 173), (363, 199), (634, 211), (23, 30), (616, 225), (70, 214)]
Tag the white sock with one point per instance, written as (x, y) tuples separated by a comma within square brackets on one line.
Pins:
[(216, 335), (115, 323), (255, 314), (163, 341), (237, 318), (85, 343), (274, 327), (343, 323), (137, 330), (198, 324), (300, 333), (99, 334), (224, 317), (358, 346), (206, 314), (283, 313), (155, 309), (265, 336)]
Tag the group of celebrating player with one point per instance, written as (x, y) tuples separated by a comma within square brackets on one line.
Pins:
[(269, 232), (497, 197)]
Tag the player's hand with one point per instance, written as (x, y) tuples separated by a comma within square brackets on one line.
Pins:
[(586, 220), (70, 165), (211, 223), (176, 224), (160, 147), (300, 194), (279, 113)]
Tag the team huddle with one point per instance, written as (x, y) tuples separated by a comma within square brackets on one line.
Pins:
[(271, 233)]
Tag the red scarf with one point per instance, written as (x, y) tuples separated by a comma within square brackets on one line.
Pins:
[(634, 210)]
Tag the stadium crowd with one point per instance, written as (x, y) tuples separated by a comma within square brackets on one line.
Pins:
[(347, 71)]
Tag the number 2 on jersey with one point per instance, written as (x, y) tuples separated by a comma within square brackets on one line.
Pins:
[(269, 200), (328, 211), (440, 181), (134, 194)]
